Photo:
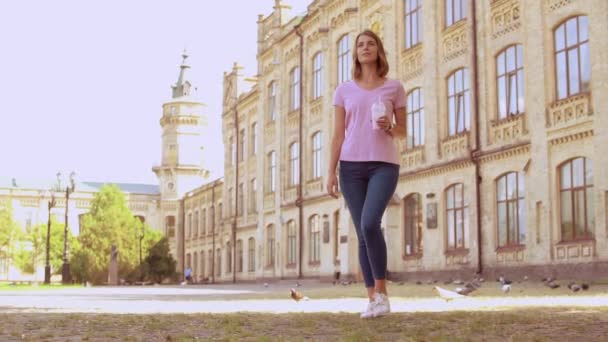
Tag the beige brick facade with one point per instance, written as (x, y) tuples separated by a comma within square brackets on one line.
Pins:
[(533, 144), (439, 177)]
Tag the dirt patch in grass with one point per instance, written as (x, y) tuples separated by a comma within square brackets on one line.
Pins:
[(537, 324)]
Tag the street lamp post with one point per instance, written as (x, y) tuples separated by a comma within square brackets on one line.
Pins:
[(47, 267), (66, 276)]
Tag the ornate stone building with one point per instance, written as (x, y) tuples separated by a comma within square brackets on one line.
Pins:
[(160, 206), (501, 169)]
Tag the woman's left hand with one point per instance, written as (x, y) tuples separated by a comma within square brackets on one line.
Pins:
[(384, 122)]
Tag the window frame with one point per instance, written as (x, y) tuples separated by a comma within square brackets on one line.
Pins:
[(451, 18), (344, 59), (518, 74), (317, 157), (413, 138), (317, 75), (409, 14), (588, 200), (519, 196), (566, 50), (415, 222), (461, 96)]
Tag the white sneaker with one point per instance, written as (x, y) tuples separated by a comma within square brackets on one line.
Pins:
[(369, 312), (383, 306), (379, 306)]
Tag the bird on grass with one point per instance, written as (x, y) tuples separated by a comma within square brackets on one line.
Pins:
[(297, 296), (447, 294), (506, 288)]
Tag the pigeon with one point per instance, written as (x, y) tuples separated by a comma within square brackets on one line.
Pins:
[(525, 278), (585, 286), (447, 294), (575, 287), (506, 288), (464, 290), (418, 282), (298, 284), (548, 280), (504, 281), (458, 282), (552, 285), (265, 284), (297, 296)]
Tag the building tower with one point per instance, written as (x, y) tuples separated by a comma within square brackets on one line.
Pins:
[(181, 167)]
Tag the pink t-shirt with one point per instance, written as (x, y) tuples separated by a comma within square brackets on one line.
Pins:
[(361, 141)]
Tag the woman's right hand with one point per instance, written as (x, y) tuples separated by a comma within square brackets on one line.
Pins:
[(332, 185)]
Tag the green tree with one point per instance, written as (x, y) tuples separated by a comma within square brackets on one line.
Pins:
[(9, 230), (159, 263), (32, 250), (109, 222)]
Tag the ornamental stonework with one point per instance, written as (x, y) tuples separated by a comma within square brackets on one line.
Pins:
[(455, 146), (510, 257), (315, 112), (411, 63), (507, 130), (575, 252), (412, 158), (270, 132), (569, 111), (553, 5), (314, 187), (455, 42), (505, 16)]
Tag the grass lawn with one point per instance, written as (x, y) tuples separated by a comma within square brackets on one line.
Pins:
[(539, 324), (501, 324)]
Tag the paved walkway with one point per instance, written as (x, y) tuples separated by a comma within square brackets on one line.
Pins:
[(174, 300)]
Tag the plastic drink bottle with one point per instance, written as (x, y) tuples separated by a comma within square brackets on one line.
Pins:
[(378, 110)]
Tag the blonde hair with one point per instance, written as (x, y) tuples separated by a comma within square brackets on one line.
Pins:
[(381, 62)]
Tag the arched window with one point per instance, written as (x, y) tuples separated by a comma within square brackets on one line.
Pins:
[(291, 243), (510, 81), (228, 257), (203, 266), (510, 209), (294, 164), (457, 215), (251, 255), (458, 102), (317, 75), (314, 224), (576, 199), (316, 155), (294, 88), (455, 10), (344, 57), (572, 63), (239, 256), (413, 22), (270, 246), (272, 101), (412, 224), (415, 118), (254, 138), (196, 226), (272, 171)]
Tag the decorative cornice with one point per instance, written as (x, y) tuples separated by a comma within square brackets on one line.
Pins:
[(505, 152), (505, 17), (572, 137)]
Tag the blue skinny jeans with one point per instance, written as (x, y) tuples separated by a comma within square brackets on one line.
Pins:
[(367, 188)]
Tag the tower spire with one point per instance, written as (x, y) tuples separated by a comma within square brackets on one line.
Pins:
[(183, 85)]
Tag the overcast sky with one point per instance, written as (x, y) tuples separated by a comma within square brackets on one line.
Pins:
[(82, 82)]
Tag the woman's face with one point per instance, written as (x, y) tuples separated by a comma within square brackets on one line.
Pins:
[(367, 49)]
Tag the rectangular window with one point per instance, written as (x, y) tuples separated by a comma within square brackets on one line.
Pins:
[(413, 23), (294, 86), (415, 119), (253, 197), (254, 138), (344, 58), (458, 102), (272, 101), (510, 82), (240, 200), (455, 10), (251, 255), (317, 76), (241, 154), (572, 61), (294, 164), (316, 155)]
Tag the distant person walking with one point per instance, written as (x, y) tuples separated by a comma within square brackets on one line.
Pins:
[(188, 275), (369, 114)]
